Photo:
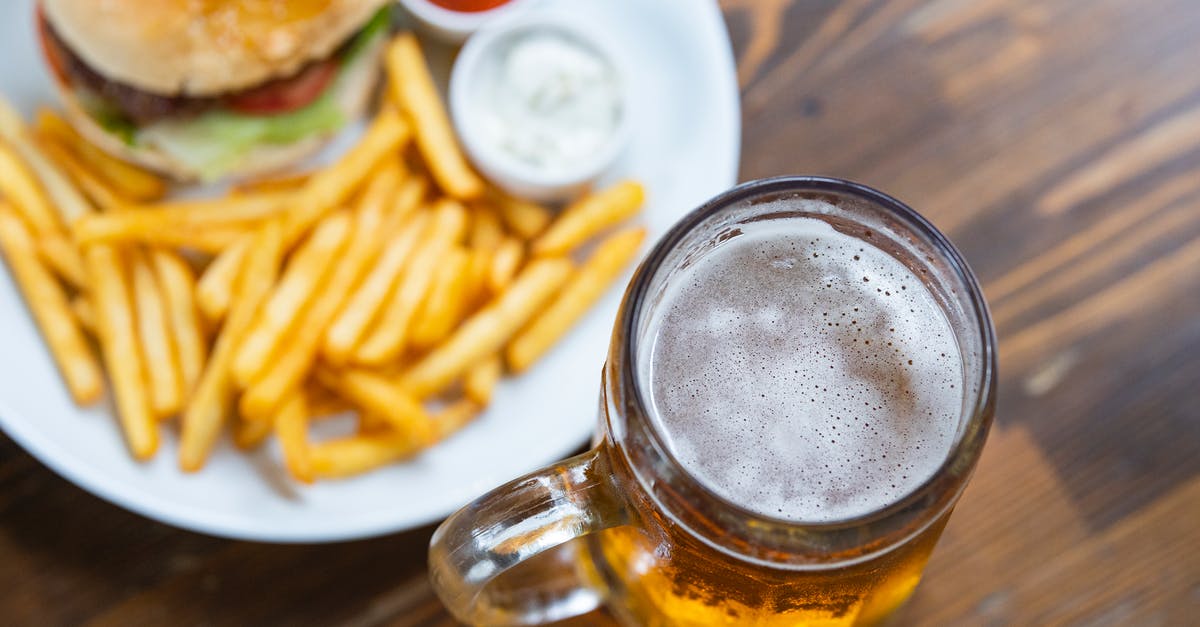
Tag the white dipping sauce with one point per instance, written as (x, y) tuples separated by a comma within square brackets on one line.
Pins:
[(552, 102)]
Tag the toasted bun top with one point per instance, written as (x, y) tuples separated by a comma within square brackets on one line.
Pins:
[(204, 47)]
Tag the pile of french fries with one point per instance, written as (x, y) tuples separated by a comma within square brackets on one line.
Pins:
[(393, 283)]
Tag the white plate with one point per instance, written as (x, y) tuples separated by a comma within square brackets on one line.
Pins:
[(685, 149)]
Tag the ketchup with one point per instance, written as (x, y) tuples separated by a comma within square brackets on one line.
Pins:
[(468, 6)]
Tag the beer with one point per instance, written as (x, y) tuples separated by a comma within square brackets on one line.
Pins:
[(800, 381), (804, 375)]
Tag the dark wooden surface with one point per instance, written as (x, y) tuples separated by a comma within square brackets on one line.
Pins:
[(1056, 141)]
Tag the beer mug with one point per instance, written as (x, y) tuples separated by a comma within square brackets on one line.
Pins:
[(680, 517)]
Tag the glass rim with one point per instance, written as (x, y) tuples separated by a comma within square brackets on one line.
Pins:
[(973, 432)]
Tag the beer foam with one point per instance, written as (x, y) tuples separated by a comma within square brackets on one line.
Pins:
[(803, 373)]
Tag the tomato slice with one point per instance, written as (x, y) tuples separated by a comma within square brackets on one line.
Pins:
[(469, 6), (286, 94)]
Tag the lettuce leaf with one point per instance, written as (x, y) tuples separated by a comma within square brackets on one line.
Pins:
[(379, 24), (215, 142)]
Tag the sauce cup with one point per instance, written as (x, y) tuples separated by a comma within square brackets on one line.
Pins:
[(479, 70)]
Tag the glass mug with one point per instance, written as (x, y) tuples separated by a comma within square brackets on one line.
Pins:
[(657, 543)]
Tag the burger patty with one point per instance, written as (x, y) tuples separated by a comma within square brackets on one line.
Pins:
[(140, 106)]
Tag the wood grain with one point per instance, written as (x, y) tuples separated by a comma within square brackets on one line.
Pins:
[(1056, 141)]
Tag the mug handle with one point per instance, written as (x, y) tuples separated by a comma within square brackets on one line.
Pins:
[(514, 522)]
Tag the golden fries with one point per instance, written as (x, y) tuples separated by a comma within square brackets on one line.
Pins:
[(84, 314), (285, 374), (301, 280), (57, 251), (387, 340), (505, 263), (486, 232), (25, 194), (393, 283), (486, 332), (112, 294), (481, 379), (291, 425), (178, 285), (364, 306), (94, 187), (440, 310), (413, 89), (51, 310), (382, 398), (524, 218), (357, 454), (68, 201), (179, 223), (129, 180), (580, 293), (163, 378), (283, 183), (325, 189), (214, 290), (208, 407), (588, 216), (250, 434)]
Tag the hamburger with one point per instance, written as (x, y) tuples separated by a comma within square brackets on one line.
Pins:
[(205, 89)]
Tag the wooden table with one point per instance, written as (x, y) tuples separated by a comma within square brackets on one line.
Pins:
[(1056, 141)]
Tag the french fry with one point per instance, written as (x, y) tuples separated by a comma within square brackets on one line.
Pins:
[(208, 407), (323, 402), (68, 201), (388, 338), (408, 198), (377, 199), (113, 299), (214, 290), (588, 216), (524, 218), (163, 377), (578, 296), (441, 309), (178, 286), (94, 187), (297, 289), (345, 457), (505, 263), (282, 183), (371, 423), (286, 372), (486, 231), (377, 396), (25, 193), (364, 305), (84, 314), (180, 220), (62, 256), (484, 333), (250, 434), (455, 416), (328, 187), (51, 310), (479, 269), (28, 197), (354, 455), (413, 89), (481, 379), (130, 180), (291, 426)]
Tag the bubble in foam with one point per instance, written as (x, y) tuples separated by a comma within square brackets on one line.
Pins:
[(801, 373)]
